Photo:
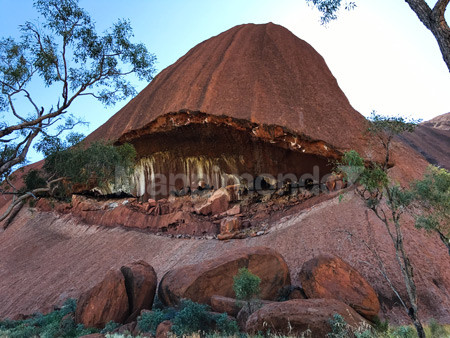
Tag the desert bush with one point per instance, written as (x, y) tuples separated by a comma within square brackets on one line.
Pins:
[(437, 330), (226, 326), (339, 327), (192, 317), (149, 321), (58, 323), (110, 327)]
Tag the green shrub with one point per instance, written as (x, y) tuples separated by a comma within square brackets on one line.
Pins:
[(192, 318), (380, 326), (404, 332), (58, 323), (225, 325), (149, 321), (246, 285), (339, 328), (110, 327), (437, 330)]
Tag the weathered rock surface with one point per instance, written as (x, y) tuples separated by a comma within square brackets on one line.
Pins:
[(163, 329), (218, 203), (104, 302), (200, 282), (231, 306), (295, 317), (431, 139), (329, 277), (140, 283)]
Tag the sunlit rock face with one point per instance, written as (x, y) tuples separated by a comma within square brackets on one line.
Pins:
[(255, 101)]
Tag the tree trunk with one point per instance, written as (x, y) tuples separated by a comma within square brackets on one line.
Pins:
[(445, 240), (417, 324), (434, 20)]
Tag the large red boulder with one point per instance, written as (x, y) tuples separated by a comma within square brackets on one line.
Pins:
[(330, 277), (231, 306), (295, 317), (104, 302), (200, 281), (140, 283)]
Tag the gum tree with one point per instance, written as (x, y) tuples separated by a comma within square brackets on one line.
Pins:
[(388, 201), (64, 51)]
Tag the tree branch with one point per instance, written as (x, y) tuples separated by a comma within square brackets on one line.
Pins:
[(422, 10)]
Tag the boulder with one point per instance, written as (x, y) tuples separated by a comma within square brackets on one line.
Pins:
[(199, 282), (218, 203), (330, 277), (229, 228), (230, 224), (163, 329), (140, 283), (106, 301), (295, 317), (231, 306), (222, 304)]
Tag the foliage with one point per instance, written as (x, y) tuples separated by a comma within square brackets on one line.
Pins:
[(436, 330), (339, 327), (329, 8), (432, 194), (380, 326), (34, 180), (58, 323), (192, 317), (110, 327), (149, 321), (95, 164), (404, 332), (63, 50), (246, 284), (225, 325)]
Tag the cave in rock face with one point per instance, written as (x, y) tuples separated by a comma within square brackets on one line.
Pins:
[(222, 153)]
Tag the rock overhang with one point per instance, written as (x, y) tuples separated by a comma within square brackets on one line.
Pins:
[(180, 149)]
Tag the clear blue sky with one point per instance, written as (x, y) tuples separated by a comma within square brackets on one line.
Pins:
[(382, 56)]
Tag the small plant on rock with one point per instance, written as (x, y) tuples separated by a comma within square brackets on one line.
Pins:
[(246, 286)]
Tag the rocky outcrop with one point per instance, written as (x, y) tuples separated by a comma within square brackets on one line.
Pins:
[(140, 283), (329, 277), (119, 297), (200, 282), (217, 203), (104, 302), (295, 317)]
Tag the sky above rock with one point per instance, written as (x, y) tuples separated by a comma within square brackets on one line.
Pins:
[(382, 56)]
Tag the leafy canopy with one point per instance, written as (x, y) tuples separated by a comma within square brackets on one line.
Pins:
[(63, 51), (246, 284), (432, 193)]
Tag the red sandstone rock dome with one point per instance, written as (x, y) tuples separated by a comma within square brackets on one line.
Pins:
[(259, 73), (253, 100)]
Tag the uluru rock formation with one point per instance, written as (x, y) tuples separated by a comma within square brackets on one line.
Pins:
[(253, 100), (432, 139)]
